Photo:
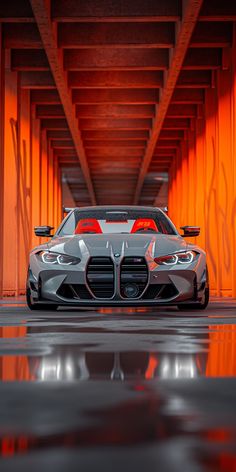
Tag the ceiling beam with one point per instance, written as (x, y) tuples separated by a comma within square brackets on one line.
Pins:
[(50, 111), (122, 35), (57, 123), (114, 152), (115, 79), (116, 135), (12, 11), (57, 134), (116, 124), (37, 80), (43, 20), (181, 96), (194, 79), (67, 144), (218, 10), (134, 143), (173, 123), (97, 10), (46, 97), (189, 19), (219, 34), (29, 59), (21, 36), (121, 96), (203, 59), (115, 59), (181, 111), (114, 111)]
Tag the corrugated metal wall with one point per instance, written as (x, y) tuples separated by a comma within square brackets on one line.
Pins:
[(202, 188), (30, 183)]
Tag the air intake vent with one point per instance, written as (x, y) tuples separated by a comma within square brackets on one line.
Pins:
[(133, 277), (100, 277)]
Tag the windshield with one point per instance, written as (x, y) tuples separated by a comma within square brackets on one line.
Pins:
[(108, 221)]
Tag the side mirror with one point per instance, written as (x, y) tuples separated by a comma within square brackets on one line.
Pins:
[(43, 231), (190, 231)]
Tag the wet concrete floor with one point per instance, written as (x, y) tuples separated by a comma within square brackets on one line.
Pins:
[(112, 390)]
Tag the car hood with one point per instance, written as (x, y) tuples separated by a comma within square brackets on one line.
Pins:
[(118, 244)]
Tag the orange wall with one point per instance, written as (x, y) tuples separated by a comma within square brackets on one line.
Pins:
[(30, 181), (202, 188)]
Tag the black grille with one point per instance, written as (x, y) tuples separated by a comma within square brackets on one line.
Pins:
[(100, 277), (160, 291), (74, 291), (133, 270)]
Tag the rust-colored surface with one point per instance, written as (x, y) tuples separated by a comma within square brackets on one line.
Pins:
[(202, 179)]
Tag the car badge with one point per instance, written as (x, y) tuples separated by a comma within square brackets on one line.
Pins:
[(117, 254)]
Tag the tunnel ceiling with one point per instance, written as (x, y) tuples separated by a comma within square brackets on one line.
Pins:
[(116, 84)]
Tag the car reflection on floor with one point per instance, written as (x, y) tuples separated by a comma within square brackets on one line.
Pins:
[(69, 364)]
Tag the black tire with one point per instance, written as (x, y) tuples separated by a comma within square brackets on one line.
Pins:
[(38, 306), (198, 305)]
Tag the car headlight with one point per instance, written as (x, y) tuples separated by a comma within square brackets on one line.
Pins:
[(179, 258), (54, 258)]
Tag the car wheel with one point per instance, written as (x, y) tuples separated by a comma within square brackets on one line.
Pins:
[(198, 305), (38, 306)]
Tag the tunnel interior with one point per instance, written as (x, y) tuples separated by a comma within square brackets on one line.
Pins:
[(118, 103)]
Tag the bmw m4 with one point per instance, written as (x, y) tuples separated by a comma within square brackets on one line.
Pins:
[(117, 256)]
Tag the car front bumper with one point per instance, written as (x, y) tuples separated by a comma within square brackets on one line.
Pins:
[(176, 286)]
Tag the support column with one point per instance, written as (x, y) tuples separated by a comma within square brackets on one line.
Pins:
[(10, 183), (35, 176), (44, 178), (2, 71), (51, 202), (55, 192), (24, 187)]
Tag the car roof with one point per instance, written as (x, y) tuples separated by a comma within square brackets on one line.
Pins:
[(119, 207)]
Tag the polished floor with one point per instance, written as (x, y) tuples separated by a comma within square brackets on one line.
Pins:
[(111, 390)]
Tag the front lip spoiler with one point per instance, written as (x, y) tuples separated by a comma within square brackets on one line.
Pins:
[(111, 303)]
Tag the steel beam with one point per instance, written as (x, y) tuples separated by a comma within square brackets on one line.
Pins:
[(21, 36), (58, 134), (43, 20), (190, 16), (218, 35), (15, 11), (182, 96), (115, 134), (37, 80), (122, 10), (115, 59), (122, 35), (116, 124), (114, 111), (29, 60), (203, 59), (121, 96), (194, 79), (138, 143), (218, 10), (47, 97), (181, 111), (50, 111), (115, 79), (55, 124)]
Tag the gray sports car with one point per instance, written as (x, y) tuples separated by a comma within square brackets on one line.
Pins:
[(117, 256)]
